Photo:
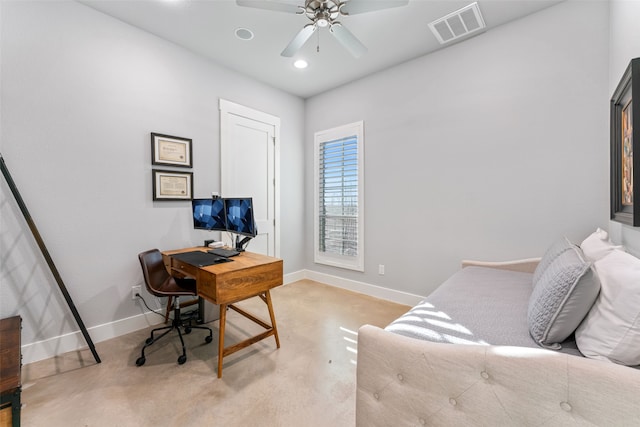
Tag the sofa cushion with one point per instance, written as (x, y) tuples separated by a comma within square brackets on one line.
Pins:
[(562, 298), (597, 245), (611, 330), (476, 305), (557, 248)]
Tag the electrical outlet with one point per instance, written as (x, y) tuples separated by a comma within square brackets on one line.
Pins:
[(381, 269), (135, 290)]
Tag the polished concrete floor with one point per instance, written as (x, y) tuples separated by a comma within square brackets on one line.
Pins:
[(309, 381)]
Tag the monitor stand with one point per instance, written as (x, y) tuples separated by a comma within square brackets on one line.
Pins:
[(241, 243)]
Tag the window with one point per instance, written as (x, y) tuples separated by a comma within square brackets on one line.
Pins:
[(339, 197)]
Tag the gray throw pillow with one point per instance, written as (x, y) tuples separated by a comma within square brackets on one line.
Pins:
[(561, 298), (558, 247)]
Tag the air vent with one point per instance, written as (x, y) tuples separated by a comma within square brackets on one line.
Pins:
[(458, 24)]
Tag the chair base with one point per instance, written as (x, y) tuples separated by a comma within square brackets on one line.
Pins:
[(177, 323)]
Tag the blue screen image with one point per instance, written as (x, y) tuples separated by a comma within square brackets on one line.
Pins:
[(239, 213), (209, 214)]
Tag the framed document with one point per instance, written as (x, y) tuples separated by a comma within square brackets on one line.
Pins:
[(625, 138), (170, 185), (171, 151)]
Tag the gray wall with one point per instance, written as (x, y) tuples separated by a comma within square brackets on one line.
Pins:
[(624, 45), (81, 93), (490, 149)]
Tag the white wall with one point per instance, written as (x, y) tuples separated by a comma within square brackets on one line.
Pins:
[(624, 45), (81, 93), (490, 149)]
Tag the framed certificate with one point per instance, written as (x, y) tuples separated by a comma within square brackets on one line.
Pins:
[(171, 151), (170, 185)]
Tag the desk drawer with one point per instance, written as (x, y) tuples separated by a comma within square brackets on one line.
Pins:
[(183, 267), (238, 285)]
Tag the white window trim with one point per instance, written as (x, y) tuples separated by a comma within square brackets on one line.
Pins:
[(342, 261)]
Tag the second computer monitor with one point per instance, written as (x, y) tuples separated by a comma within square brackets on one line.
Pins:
[(239, 212)]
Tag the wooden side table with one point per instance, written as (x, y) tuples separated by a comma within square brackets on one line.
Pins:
[(10, 367)]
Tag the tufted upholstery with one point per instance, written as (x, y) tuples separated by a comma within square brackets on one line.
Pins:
[(403, 381)]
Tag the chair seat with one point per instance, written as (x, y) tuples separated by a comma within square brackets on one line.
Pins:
[(176, 287)]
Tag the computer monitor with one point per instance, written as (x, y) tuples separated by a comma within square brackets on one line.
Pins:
[(239, 213), (209, 214)]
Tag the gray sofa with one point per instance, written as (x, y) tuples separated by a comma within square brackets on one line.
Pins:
[(494, 374)]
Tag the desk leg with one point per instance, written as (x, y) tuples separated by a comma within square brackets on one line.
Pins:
[(223, 320), (273, 318), (270, 329)]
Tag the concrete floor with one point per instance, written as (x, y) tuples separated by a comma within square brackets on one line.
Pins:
[(309, 381)]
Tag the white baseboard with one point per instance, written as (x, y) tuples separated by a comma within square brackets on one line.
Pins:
[(364, 288), (51, 347), (294, 277)]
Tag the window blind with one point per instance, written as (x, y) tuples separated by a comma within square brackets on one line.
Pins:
[(338, 196)]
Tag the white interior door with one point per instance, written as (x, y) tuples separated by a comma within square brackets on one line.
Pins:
[(249, 160)]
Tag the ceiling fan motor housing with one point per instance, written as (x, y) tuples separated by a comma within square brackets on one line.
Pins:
[(322, 12)]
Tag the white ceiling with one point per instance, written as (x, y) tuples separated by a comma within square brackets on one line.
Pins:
[(392, 36)]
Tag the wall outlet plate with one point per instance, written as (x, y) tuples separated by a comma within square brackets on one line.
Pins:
[(136, 290)]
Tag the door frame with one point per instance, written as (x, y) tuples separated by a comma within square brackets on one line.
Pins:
[(227, 108)]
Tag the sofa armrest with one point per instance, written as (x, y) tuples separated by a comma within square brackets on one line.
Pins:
[(523, 265), (406, 381)]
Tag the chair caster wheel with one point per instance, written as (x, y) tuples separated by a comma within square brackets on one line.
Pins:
[(140, 361), (148, 341), (182, 359), (208, 339), (187, 330)]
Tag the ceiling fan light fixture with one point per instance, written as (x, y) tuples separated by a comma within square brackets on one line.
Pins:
[(322, 18)]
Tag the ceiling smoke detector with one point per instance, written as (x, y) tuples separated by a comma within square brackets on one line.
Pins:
[(459, 24)]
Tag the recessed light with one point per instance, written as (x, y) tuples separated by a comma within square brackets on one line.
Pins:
[(301, 63), (244, 34)]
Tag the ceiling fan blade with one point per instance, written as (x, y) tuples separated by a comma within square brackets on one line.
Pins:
[(277, 6), (353, 7), (348, 40), (299, 40)]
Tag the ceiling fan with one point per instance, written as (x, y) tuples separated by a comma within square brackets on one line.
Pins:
[(324, 13)]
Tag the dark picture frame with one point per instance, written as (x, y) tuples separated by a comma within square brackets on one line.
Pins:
[(170, 150), (172, 185), (625, 138)]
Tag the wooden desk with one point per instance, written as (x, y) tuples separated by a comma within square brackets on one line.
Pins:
[(248, 275), (10, 365)]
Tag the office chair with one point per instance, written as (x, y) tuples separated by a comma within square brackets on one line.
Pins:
[(170, 306), (161, 284)]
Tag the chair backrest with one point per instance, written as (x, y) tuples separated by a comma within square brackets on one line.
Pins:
[(154, 272)]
